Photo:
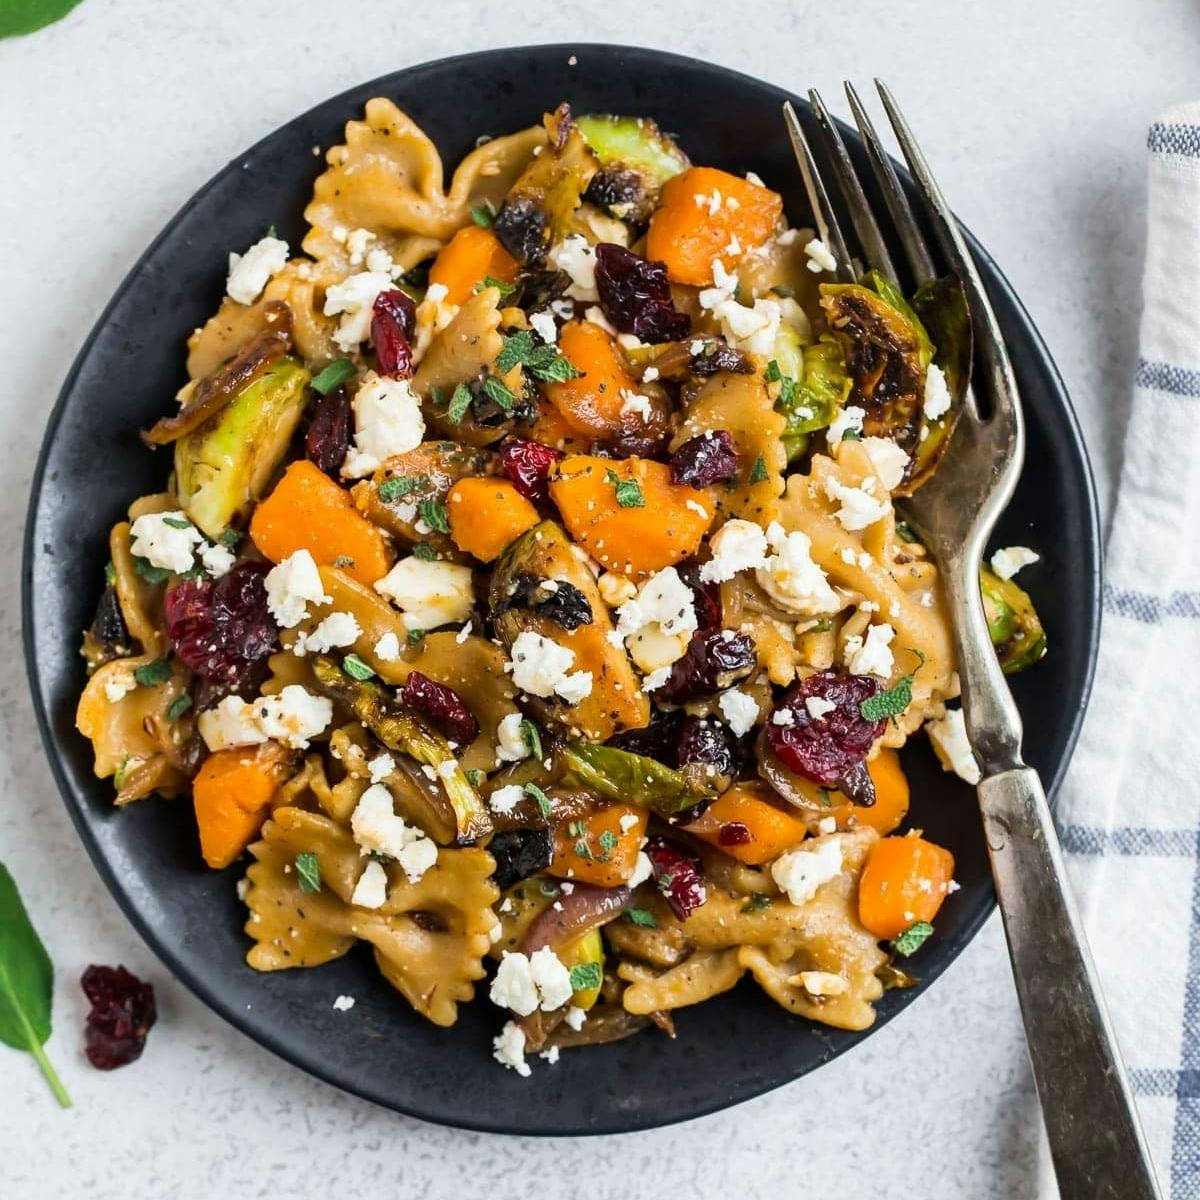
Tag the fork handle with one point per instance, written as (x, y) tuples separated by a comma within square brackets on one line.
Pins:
[(1098, 1148)]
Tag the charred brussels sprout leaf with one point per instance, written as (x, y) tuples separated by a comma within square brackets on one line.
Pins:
[(1013, 623), (633, 778), (636, 159), (813, 386), (400, 728), (222, 467), (107, 637)]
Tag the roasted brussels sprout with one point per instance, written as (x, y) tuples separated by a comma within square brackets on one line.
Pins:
[(223, 466), (1013, 623), (636, 159), (813, 385), (634, 779), (400, 728)]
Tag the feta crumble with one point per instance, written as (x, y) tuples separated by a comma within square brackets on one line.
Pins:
[(217, 560), (511, 745), (508, 1049), (430, 594), (335, 631), (750, 328), (353, 299), (344, 1003), (872, 656), (643, 868), (888, 461), (249, 273), (737, 546), (292, 717), (848, 420), (388, 421), (577, 258), (504, 799), (524, 983), (636, 404), (937, 394), (380, 767), (118, 687), (540, 667), (543, 324), (858, 508), (163, 544), (387, 649), (819, 257), (949, 738), (739, 710), (1008, 560), (818, 707), (376, 827), (801, 872), (371, 889), (291, 586), (790, 576), (575, 1017)]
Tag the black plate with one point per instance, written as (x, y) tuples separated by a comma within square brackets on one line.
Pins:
[(92, 465)]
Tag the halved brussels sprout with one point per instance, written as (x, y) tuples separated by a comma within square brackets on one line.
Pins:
[(629, 778), (813, 386), (1013, 623), (636, 159), (222, 467)]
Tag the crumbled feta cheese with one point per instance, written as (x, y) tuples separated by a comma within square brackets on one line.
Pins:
[(376, 827), (508, 1049), (819, 257), (165, 540), (291, 586), (847, 420), (356, 245), (577, 258), (821, 983), (615, 589), (575, 1018), (698, 508), (344, 1003), (750, 328), (659, 621), (818, 707), (949, 738), (353, 299), (217, 560), (550, 1055), (790, 576), (387, 649), (431, 594), (544, 326), (636, 404), (783, 717), (524, 983), (859, 508), (1008, 560), (371, 889), (737, 546), (739, 710), (551, 978), (292, 717), (380, 767), (249, 272), (335, 631), (873, 655), (388, 421), (711, 201), (628, 821), (242, 888), (595, 315), (504, 799), (643, 868), (380, 260), (511, 745), (656, 679), (650, 374), (540, 667), (827, 825), (118, 686), (802, 871), (937, 394), (888, 461)]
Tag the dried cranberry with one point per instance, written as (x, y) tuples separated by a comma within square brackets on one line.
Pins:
[(220, 628), (120, 1018), (707, 744), (706, 596), (828, 748), (636, 295), (716, 356), (555, 599), (528, 465), (328, 438), (521, 227), (393, 320), (677, 876), (658, 740), (733, 833), (704, 460), (443, 705), (618, 188), (712, 662)]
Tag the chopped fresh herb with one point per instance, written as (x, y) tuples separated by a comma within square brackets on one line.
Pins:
[(110, 573), (230, 538), (433, 513), (148, 571), (583, 850), (540, 359), (906, 533), (785, 293), (177, 523), (642, 917), (414, 637), (892, 702), (425, 552), (773, 374), (851, 435), (575, 828), (459, 403), (756, 902), (308, 870), (913, 938), (399, 486), (548, 887), (332, 376), (825, 797), (505, 289), (119, 773), (531, 737), (585, 976), (629, 491), (499, 393), (551, 367), (483, 214), (196, 571), (153, 673), (356, 668), (543, 801), (758, 472), (343, 560), (516, 349), (475, 776), (178, 707), (608, 842)]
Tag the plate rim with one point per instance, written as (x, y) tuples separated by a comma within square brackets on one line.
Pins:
[(210, 995)]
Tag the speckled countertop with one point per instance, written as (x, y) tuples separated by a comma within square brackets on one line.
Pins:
[(1034, 116)]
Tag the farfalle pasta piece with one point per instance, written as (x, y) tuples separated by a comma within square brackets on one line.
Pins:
[(388, 178), (429, 937), (699, 977)]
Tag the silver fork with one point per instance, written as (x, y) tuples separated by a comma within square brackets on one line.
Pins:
[(1097, 1145)]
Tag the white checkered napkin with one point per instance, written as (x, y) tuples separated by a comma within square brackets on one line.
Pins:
[(1130, 811)]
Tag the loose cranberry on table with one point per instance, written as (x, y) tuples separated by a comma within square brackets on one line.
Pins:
[(220, 628), (393, 321), (121, 1016), (828, 747), (528, 464), (677, 876), (707, 459), (442, 705), (636, 295)]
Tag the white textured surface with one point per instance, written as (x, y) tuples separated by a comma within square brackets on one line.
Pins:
[(1034, 116)]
